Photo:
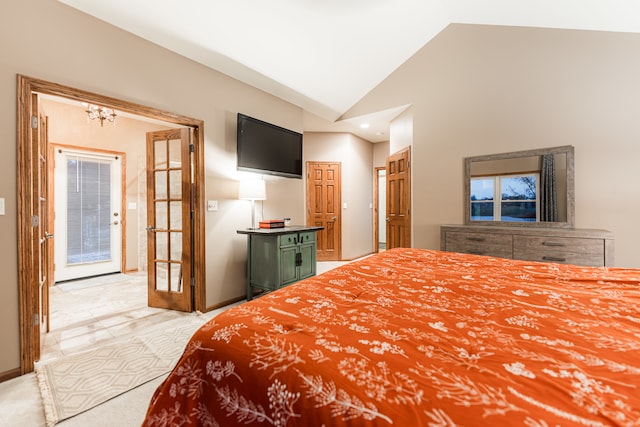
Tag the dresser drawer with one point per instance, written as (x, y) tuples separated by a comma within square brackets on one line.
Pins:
[(297, 238), (307, 237), (499, 245), (288, 240), (566, 250)]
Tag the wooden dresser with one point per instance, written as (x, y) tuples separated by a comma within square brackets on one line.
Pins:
[(568, 246)]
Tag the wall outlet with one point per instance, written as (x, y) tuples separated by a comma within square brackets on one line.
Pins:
[(212, 205)]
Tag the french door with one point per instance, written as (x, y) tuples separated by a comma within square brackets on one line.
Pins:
[(88, 217), (169, 219), (42, 244)]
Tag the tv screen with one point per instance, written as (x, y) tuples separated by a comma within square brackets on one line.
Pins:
[(268, 149)]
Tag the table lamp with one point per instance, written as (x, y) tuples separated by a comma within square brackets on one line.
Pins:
[(252, 189)]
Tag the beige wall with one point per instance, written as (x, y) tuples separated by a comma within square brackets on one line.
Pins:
[(401, 132), (50, 41), (380, 154), (356, 157), (482, 89)]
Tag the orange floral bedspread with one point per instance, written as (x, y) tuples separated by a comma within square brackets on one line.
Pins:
[(413, 337)]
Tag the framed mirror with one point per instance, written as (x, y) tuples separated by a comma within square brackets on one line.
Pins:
[(533, 188)]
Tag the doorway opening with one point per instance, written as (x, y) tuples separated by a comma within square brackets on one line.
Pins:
[(35, 240), (380, 209)]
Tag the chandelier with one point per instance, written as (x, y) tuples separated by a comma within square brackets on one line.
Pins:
[(100, 113)]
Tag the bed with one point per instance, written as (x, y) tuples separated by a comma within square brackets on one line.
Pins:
[(412, 337)]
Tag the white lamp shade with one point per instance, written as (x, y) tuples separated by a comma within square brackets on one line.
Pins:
[(252, 189)]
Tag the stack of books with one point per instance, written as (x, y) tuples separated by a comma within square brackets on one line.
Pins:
[(272, 223)]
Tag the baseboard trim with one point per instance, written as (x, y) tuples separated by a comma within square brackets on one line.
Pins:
[(9, 375), (355, 258), (225, 303)]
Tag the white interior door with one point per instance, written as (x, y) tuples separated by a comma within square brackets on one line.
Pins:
[(88, 200)]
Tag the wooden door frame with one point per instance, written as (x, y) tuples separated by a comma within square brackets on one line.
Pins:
[(27, 278)]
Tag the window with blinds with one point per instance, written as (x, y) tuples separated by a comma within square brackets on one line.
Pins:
[(88, 210)]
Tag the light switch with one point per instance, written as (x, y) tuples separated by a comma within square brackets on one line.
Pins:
[(212, 205), (132, 206), (1, 205), (344, 205)]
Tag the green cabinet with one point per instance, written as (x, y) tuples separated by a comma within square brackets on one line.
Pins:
[(279, 256)]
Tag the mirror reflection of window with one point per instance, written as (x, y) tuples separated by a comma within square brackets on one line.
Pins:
[(519, 198), (482, 196), (508, 198)]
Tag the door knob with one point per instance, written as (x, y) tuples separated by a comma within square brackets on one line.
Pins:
[(151, 229), (115, 222), (115, 214), (334, 218), (48, 235), (388, 219)]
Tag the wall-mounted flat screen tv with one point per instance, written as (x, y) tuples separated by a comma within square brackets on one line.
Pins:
[(268, 149)]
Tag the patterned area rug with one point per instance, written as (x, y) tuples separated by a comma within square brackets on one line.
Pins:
[(74, 384)]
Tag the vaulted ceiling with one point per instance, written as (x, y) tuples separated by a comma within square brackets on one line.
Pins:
[(325, 55)]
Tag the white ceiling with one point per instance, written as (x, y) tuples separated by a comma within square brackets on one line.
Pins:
[(325, 55)]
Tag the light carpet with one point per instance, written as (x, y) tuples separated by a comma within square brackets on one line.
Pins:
[(77, 383)]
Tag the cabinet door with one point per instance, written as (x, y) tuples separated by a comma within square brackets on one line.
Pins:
[(308, 257), (288, 268), (263, 260)]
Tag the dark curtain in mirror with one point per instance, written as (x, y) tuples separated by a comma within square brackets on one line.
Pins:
[(548, 189)]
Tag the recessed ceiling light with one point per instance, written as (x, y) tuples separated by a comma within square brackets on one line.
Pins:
[(364, 125)]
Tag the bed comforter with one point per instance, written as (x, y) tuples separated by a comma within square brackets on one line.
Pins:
[(414, 337)]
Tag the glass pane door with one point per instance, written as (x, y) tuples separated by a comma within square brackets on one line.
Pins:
[(88, 223), (169, 216)]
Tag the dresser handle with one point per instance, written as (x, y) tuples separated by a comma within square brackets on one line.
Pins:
[(472, 252), (476, 239), (553, 258), (554, 244)]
